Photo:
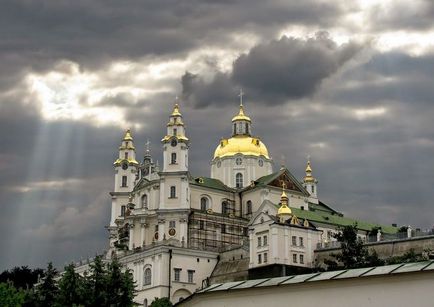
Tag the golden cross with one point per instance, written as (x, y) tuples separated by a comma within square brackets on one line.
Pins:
[(283, 184), (241, 96)]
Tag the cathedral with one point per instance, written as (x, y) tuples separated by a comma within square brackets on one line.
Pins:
[(173, 229)]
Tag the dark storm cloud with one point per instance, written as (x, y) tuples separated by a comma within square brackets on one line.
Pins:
[(283, 69), (37, 34), (388, 78)]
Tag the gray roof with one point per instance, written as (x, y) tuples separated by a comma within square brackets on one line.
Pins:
[(332, 275)]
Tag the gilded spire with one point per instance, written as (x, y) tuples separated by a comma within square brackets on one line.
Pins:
[(284, 210), (241, 115), (128, 136), (176, 110), (309, 177)]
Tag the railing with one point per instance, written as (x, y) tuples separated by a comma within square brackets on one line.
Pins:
[(383, 238)]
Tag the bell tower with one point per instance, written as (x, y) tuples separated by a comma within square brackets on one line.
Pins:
[(309, 182), (126, 170), (126, 165), (174, 190)]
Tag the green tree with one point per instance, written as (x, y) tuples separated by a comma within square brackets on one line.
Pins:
[(22, 277), (46, 292), (70, 288), (161, 302), (9, 296), (97, 284), (127, 289), (354, 253), (114, 283)]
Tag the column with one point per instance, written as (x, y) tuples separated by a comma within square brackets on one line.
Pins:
[(161, 229), (131, 241), (142, 234)]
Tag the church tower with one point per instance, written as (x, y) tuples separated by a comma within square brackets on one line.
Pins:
[(126, 170), (174, 176), (243, 158), (309, 182), (126, 165)]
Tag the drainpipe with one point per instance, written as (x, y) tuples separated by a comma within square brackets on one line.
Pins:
[(170, 272)]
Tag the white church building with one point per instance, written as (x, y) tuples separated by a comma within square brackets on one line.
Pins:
[(169, 227)]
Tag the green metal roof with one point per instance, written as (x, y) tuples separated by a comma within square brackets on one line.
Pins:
[(267, 179), (211, 183), (338, 220)]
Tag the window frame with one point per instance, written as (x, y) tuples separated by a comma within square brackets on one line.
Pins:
[(177, 274), (124, 182), (147, 278), (239, 180), (173, 158), (172, 191)]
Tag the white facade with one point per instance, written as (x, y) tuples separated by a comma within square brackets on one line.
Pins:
[(169, 227)]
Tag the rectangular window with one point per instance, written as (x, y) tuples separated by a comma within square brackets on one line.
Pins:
[(124, 181), (175, 132), (172, 224), (126, 155), (259, 241), (294, 241), (173, 158), (301, 241), (156, 228), (201, 225), (301, 259), (190, 275), (177, 274), (123, 210), (223, 228), (259, 259), (265, 239), (265, 257), (172, 192), (294, 258)]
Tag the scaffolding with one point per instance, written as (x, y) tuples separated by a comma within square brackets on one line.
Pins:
[(217, 232)]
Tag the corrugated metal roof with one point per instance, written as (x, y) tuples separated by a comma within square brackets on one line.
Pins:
[(332, 275)]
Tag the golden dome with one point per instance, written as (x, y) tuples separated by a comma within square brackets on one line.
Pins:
[(241, 144), (309, 177), (284, 210), (241, 115), (176, 110), (128, 136)]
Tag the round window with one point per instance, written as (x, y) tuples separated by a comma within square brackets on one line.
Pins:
[(238, 161), (172, 232), (261, 162)]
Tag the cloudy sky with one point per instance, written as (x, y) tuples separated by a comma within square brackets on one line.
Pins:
[(349, 83)]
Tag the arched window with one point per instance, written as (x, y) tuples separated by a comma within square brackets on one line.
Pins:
[(239, 180), (172, 192), (204, 204), (173, 158), (249, 207), (235, 128), (147, 277), (145, 201), (247, 128), (145, 302), (225, 208)]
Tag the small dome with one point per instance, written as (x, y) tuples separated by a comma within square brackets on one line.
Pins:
[(241, 144), (284, 210), (241, 115)]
